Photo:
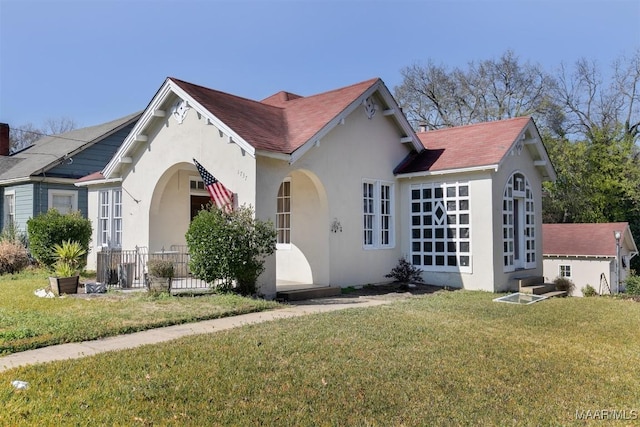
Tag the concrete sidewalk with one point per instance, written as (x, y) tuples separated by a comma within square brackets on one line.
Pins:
[(158, 335)]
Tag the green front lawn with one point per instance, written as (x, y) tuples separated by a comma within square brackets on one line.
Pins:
[(27, 321), (451, 358)]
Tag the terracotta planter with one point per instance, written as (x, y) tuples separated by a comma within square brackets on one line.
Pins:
[(64, 285), (158, 284)]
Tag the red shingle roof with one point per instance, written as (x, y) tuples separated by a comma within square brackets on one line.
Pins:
[(282, 122), (581, 239), (480, 144)]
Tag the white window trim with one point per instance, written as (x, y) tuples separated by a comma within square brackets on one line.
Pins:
[(458, 239), (567, 268), (284, 246), (508, 237), (55, 192), (9, 215), (377, 214), (110, 219)]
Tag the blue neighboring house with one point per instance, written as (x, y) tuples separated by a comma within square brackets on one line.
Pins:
[(42, 176)]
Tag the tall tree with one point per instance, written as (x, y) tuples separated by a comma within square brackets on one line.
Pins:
[(25, 135), (437, 97)]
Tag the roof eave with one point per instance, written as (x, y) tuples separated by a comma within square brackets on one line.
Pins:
[(98, 182), (492, 168), (138, 131)]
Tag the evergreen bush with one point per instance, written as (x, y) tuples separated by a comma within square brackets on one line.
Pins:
[(564, 284), (50, 228), (632, 285), (228, 249), (405, 272), (589, 291)]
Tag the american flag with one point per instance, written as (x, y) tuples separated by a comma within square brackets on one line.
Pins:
[(221, 195)]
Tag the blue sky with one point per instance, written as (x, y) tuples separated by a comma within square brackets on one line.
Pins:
[(97, 60)]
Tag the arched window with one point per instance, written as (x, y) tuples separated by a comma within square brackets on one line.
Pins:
[(518, 224)]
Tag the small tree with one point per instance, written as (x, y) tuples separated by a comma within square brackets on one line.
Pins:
[(405, 272), (230, 247), (50, 228)]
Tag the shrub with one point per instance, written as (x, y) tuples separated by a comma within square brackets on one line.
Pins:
[(12, 233), (564, 284), (50, 228), (405, 272), (632, 284), (589, 291), (160, 268), (13, 257), (229, 247)]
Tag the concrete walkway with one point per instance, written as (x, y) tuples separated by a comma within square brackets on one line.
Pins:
[(158, 335)]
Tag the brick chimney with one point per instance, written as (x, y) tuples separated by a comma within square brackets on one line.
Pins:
[(4, 139)]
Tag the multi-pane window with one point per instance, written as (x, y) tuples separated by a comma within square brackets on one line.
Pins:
[(441, 226), (518, 224), (9, 209), (565, 271), (283, 214), (110, 218), (377, 214)]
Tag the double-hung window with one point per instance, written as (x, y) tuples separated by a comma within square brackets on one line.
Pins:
[(110, 218), (9, 209), (377, 214), (283, 216)]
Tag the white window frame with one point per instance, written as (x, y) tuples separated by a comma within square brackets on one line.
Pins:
[(283, 216), (441, 230), (110, 217), (564, 270), (9, 208), (518, 207), (56, 192), (378, 214)]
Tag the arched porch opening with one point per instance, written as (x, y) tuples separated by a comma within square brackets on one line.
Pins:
[(302, 223)]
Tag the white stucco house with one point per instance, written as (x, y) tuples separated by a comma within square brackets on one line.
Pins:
[(350, 186), (589, 254)]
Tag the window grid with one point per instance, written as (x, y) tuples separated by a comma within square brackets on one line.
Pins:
[(377, 214), (283, 214), (441, 226), (369, 213), (103, 218), (117, 217), (565, 271), (518, 191)]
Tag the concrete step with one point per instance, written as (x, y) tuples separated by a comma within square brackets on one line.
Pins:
[(310, 293), (529, 281), (555, 294), (538, 289)]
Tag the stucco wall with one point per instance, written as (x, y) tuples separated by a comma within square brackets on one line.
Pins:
[(481, 241), (523, 163), (157, 196), (584, 271), (354, 151)]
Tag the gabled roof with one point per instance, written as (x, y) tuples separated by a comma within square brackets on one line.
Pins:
[(284, 125), (476, 147), (595, 240), (49, 151)]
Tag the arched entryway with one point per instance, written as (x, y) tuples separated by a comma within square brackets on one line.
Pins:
[(302, 223)]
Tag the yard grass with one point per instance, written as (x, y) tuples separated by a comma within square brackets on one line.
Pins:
[(450, 358), (28, 322)]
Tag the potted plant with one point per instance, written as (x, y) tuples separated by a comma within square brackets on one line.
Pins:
[(69, 256), (160, 275)]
